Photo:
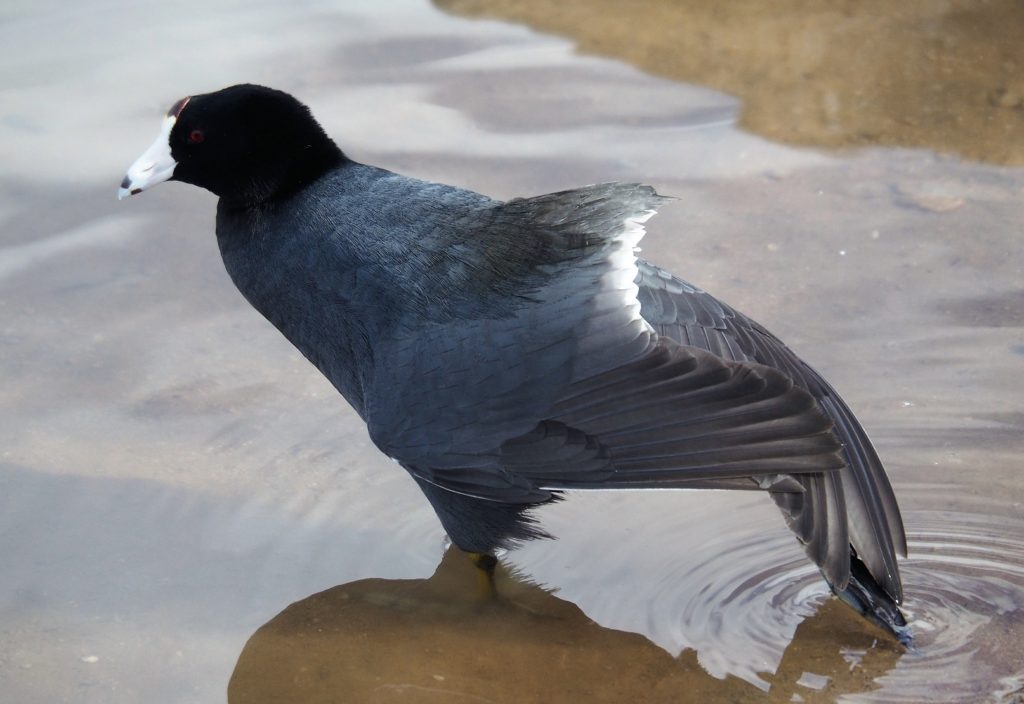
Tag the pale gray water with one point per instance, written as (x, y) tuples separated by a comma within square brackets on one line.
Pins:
[(174, 474)]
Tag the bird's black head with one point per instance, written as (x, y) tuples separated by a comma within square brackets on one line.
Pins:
[(246, 143)]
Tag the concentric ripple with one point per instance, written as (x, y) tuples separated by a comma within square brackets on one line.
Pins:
[(716, 572), (737, 621), (737, 589), (965, 604)]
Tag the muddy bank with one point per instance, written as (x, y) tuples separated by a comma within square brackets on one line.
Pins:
[(940, 75)]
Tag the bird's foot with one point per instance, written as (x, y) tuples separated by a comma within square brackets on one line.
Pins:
[(485, 565)]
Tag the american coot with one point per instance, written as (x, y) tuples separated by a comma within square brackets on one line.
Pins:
[(503, 352)]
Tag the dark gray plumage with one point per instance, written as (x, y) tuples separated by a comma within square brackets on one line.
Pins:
[(503, 352)]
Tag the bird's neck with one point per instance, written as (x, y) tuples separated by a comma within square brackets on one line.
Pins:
[(314, 300), (277, 179)]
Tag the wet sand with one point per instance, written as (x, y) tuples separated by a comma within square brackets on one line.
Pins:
[(174, 475), (946, 76)]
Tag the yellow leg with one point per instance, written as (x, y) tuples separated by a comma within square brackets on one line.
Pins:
[(485, 565)]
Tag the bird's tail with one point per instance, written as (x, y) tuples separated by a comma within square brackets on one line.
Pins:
[(866, 597)]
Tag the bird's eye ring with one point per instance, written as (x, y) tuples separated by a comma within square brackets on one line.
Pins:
[(196, 136)]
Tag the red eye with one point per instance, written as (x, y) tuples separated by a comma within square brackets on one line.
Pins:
[(196, 136)]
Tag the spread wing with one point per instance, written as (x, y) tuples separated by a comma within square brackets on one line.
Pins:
[(573, 388), (682, 312)]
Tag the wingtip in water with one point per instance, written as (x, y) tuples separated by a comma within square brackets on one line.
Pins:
[(867, 598)]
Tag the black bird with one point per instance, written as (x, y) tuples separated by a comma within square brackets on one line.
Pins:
[(503, 352)]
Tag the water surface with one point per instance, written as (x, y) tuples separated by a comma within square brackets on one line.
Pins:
[(174, 475)]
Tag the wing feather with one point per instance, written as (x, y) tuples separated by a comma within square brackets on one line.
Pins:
[(604, 371), (861, 488)]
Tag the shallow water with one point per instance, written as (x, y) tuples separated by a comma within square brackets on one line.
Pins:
[(174, 475)]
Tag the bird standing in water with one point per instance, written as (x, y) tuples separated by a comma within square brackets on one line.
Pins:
[(503, 352)]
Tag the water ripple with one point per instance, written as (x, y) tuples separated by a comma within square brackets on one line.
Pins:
[(965, 590), (736, 591), (965, 596)]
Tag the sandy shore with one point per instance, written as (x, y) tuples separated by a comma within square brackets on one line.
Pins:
[(947, 76)]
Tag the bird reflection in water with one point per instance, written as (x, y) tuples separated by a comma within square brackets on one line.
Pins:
[(435, 640)]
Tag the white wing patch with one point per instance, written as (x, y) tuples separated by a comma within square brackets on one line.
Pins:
[(624, 271)]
